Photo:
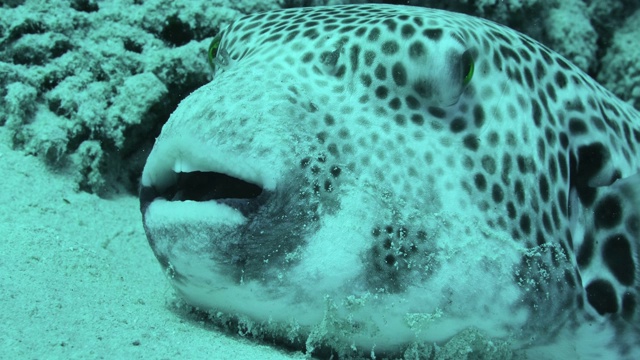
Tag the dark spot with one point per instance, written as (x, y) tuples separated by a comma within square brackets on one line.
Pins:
[(493, 138), (471, 142), (585, 254), (540, 239), (540, 70), (468, 163), (525, 54), (608, 212), (550, 135), (400, 119), (478, 115), (552, 169), (305, 162), (391, 24), (395, 103), (528, 77), (308, 24), (543, 187), (416, 50), (360, 32), (333, 149), (273, 38), (353, 57), (561, 80), (407, 31), (546, 56), (369, 57), (511, 210), (536, 112), (390, 260), (497, 61), (563, 64), (569, 237), (436, 112), (488, 164), (564, 140), (374, 34), (508, 53), (497, 194), (342, 69), (375, 232), (380, 72), (312, 34), (327, 186), (433, 34), (551, 92), (329, 120), (390, 47), (556, 218), (457, 125), (480, 181), (522, 164), (519, 189), (546, 222), (417, 119), (511, 139), (366, 80), (307, 58), (292, 35), (506, 169), (423, 88), (577, 126), (602, 296), (347, 29), (412, 102), (618, 257), (322, 137), (514, 75), (382, 92), (629, 305), (399, 74), (335, 171), (525, 223)]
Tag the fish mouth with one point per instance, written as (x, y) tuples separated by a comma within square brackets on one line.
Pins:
[(202, 186)]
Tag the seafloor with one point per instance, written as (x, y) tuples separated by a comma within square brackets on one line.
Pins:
[(85, 87)]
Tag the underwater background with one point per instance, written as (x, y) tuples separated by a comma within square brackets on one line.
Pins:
[(85, 87)]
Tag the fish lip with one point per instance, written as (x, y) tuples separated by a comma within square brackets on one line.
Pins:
[(203, 186)]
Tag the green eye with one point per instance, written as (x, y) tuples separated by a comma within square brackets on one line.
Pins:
[(467, 67), (213, 50)]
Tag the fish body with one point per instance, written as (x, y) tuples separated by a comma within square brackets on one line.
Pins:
[(365, 178)]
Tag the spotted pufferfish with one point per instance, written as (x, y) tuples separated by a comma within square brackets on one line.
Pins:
[(366, 179)]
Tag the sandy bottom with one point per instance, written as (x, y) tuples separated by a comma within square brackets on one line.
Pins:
[(78, 280)]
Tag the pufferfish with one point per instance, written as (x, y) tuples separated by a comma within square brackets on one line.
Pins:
[(364, 180)]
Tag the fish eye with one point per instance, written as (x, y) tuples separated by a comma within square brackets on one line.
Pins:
[(467, 67), (213, 50)]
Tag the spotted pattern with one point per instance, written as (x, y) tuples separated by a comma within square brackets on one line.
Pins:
[(529, 146)]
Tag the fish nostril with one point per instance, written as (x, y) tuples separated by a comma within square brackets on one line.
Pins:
[(205, 186)]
